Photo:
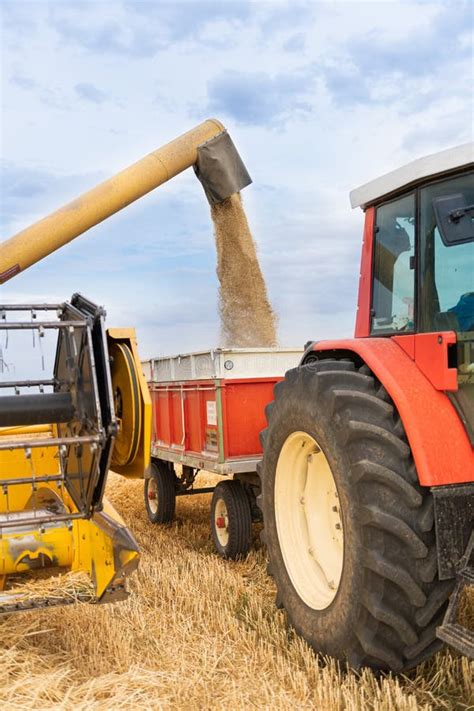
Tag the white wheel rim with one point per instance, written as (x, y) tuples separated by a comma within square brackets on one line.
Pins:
[(152, 492), (308, 521), (221, 522)]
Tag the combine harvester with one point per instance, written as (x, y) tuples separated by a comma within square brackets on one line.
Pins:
[(59, 435)]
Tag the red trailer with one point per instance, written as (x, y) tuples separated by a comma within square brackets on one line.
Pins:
[(208, 411)]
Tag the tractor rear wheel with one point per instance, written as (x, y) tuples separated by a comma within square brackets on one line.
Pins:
[(160, 492), (349, 531)]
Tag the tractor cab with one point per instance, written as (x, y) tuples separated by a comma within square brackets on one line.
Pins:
[(417, 273)]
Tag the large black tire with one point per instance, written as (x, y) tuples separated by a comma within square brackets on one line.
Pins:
[(230, 504), (160, 492), (389, 599)]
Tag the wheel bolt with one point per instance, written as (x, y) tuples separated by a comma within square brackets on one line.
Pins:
[(338, 526)]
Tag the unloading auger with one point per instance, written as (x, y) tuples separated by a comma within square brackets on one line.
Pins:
[(60, 434)]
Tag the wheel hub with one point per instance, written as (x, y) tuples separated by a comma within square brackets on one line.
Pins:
[(221, 521), (152, 495), (308, 519)]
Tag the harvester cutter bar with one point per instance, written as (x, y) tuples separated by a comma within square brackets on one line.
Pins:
[(30, 307), (40, 520), (18, 605), (31, 480), (29, 325), (51, 442), (28, 383), (114, 593)]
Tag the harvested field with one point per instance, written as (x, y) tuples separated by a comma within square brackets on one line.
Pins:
[(247, 318), (196, 633)]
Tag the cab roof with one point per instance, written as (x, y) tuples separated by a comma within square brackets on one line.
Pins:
[(429, 166)]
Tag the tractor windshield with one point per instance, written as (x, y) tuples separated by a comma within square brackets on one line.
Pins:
[(446, 287)]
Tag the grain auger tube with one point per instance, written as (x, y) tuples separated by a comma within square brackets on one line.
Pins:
[(208, 148), (60, 433)]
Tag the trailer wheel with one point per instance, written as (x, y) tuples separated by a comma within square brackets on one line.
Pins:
[(160, 493), (349, 531), (231, 520)]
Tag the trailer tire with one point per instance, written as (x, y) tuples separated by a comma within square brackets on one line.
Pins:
[(383, 609), (160, 492), (231, 520)]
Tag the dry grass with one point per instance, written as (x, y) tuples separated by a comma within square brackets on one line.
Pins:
[(66, 586), (196, 633)]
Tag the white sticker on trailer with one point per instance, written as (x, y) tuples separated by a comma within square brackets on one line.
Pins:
[(211, 412)]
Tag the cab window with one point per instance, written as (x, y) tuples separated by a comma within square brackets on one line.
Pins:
[(394, 269), (447, 272)]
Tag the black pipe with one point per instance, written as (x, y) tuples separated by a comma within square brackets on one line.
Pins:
[(45, 409)]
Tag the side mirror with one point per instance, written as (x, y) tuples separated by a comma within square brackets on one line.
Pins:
[(454, 219)]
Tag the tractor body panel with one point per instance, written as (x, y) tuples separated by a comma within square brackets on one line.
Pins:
[(437, 436), (364, 303)]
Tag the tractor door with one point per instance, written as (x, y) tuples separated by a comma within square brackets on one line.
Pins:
[(423, 275), (446, 271)]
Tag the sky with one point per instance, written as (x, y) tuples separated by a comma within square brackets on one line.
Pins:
[(319, 98)]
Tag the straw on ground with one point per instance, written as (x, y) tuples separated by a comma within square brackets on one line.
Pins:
[(196, 633)]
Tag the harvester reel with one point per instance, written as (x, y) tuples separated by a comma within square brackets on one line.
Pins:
[(126, 392)]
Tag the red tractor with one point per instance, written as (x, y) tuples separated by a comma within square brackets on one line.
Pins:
[(367, 478)]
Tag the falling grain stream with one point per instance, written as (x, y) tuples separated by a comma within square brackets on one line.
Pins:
[(247, 318)]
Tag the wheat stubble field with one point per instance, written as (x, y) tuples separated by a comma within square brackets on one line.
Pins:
[(195, 633)]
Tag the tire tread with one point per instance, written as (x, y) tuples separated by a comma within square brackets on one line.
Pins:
[(403, 599)]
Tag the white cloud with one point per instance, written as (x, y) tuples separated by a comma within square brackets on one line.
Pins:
[(148, 68)]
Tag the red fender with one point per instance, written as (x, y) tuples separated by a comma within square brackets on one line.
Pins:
[(441, 448)]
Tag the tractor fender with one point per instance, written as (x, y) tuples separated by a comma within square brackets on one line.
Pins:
[(439, 442)]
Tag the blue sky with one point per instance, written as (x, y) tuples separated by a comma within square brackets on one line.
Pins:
[(319, 97)]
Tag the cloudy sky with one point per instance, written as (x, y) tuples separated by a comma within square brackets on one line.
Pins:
[(319, 97)]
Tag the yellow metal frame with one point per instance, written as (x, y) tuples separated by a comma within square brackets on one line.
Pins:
[(102, 546)]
